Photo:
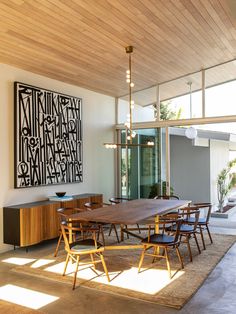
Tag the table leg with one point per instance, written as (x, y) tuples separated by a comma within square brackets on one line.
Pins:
[(157, 249), (157, 225)]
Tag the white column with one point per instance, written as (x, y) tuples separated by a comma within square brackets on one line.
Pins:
[(158, 103), (167, 162)]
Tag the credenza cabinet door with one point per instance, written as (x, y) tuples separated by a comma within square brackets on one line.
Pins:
[(51, 223), (31, 225)]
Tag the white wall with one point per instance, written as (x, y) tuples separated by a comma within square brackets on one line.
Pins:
[(98, 114), (219, 152)]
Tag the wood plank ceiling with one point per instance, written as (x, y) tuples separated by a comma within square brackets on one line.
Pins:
[(82, 42)]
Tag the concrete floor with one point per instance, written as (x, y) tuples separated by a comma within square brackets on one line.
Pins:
[(217, 295)]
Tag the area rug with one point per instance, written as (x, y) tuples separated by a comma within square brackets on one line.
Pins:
[(152, 284)]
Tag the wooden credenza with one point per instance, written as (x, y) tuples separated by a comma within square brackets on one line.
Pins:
[(32, 223)]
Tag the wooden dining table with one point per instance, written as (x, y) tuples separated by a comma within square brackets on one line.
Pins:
[(130, 213)]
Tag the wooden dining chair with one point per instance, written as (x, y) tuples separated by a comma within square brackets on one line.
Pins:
[(94, 205), (63, 214), (203, 221), (188, 230), (76, 249), (162, 240)]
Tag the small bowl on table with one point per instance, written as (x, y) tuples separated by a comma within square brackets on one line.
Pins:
[(60, 194)]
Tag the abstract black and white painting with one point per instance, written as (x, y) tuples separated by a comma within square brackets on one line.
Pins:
[(48, 137)]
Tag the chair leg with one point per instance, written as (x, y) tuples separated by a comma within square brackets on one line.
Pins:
[(138, 228), (99, 231), (179, 257), (117, 237), (203, 241), (154, 252), (104, 266), (208, 231), (103, 238), (196, 240), (141, 259), (67, 260), (111, 226), (92, 259), (167, 261), (82, 232), (127, 233), (189, 249), (58, 244), (76, 270)]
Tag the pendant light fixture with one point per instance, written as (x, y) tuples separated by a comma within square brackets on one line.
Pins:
[(130, 133)]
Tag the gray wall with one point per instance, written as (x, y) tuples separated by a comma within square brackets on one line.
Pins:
[(189, 169)]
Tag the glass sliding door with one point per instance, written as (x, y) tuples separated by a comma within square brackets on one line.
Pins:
[(141, 167)]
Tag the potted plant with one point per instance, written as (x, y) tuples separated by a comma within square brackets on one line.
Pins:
[(225, 181), (155, 189)]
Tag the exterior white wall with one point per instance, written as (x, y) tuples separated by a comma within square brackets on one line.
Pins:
[(219, 152), (98, 119), (189, 169)]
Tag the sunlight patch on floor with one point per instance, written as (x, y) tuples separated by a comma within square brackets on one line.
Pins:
[(18, 260), (149, 281), (42, 262), (25, 297), (57, 268)]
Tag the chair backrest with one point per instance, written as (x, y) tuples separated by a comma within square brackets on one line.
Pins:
[(172, 220), (63, 213), (166, 197), (206, 206), (117, 200), (67, 230), (93, 205), (190, 212)]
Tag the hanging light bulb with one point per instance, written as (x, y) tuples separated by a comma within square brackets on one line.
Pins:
[(130, 134)]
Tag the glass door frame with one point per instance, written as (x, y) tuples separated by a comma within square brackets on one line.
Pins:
[(159, 175)]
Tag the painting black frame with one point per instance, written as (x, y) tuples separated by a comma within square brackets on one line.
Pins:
[(48, 146)]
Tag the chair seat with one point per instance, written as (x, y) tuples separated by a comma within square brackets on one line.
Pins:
[(200, 220), (159, 239), (183, 228), (84, 245)]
